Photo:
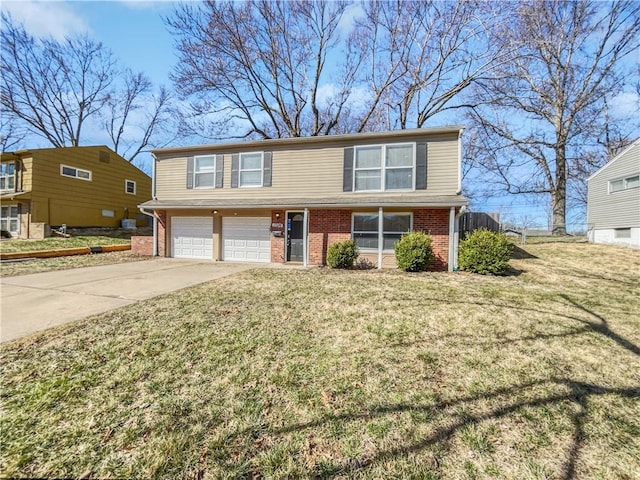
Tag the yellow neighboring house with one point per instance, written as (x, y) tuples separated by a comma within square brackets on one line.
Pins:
[(74, 186)]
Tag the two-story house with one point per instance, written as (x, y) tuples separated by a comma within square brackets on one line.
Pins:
[(287, 200), (613, 200), (75, 186)]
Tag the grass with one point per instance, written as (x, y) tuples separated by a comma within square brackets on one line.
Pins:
[(10, 246), (39, 265), (360, 374)]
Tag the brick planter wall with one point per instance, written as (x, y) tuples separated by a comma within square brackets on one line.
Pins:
[(142, 245)]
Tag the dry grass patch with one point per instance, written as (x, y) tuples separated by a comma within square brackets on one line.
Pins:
[(319, 373)]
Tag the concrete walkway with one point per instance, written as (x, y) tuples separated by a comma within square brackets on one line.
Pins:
[(31, 303)]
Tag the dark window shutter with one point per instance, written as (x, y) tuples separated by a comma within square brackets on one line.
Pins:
[(266, 169), (347, 170), (235, 165), (190, 172), (421, 166), (219, 170), (19, 208)]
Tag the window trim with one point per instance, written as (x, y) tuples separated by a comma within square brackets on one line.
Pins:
[(196, 172), (383, 167), (63, 166), (135, 187), (387, 250), (625, 181), (240, 169), (9, 177)]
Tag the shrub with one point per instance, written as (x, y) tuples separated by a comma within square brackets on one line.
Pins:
[(485, 252), (342, 254), (414, 252)]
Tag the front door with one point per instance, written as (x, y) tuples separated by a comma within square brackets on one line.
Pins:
[(295, 234)]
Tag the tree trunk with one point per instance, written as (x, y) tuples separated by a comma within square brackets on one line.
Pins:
[(559, 193)]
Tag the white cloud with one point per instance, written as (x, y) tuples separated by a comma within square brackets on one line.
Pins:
[(351, 14), (625, 104), (56, 19)]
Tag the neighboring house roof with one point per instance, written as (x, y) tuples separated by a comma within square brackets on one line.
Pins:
[(320, 139), (620, 155)]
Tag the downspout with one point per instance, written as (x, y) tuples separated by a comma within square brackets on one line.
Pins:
[(452, 232), (152, 214), (380, 236), (456, 240), (305, 234)]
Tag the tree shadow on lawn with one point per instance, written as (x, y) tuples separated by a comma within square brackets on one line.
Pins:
[(578, 393)]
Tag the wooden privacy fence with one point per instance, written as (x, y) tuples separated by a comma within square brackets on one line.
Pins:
[(471, 221)]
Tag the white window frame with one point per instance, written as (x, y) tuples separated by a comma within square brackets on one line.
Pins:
[(8, 178), (126, 184), (207, 170), (240, 169), (625, 183), (76, 170), (8, 218), (353, 218), (383, 167)]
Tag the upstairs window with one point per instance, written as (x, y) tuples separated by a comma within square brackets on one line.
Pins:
[(204, 171), (250, 169), (7, 176), (384, 167), (73, 172), (624, 183)]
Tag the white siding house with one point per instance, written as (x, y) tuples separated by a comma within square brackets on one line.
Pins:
[(613, 203)]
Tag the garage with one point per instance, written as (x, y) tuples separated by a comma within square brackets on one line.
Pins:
[(192, 237), (246, 239)]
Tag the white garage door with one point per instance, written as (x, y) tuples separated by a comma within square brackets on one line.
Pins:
[(192, 237), (246, 239)]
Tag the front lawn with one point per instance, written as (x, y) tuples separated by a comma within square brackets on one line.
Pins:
[(283, 373)]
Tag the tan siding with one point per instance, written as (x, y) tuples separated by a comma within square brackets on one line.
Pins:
[(77, 202), (618, 209), (307, 172)]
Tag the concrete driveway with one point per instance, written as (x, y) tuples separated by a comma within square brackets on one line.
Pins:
[(31, 303)]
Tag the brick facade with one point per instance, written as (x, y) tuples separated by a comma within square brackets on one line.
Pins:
[(331, 226)]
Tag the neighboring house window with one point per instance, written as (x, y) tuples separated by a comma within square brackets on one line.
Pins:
[(9, 218), (250, 169), (7, 176), (384, 167), (73, 172), (624, 184), (366, 234), (130, 187)]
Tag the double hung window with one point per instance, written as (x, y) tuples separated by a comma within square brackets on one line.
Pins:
[(9, 218), (384, 167), (250, 169), (7, 176), (624, 184), (204, 171)]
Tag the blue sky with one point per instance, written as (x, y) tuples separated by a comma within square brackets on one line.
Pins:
[(135, 32)]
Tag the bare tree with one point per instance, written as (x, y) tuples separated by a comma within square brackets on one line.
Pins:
[(542, 111), (276, 68), (421, 56), (257, 67), (56, 88)]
